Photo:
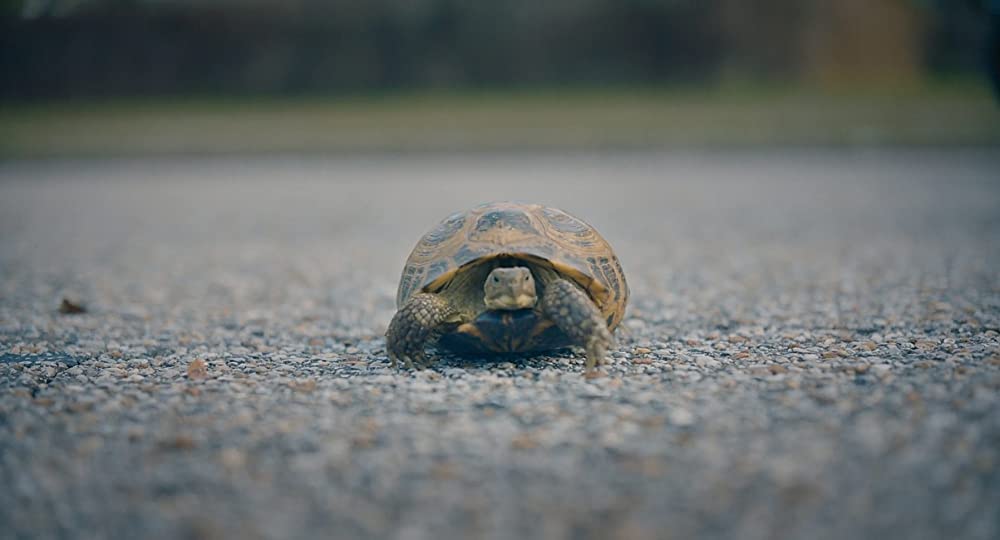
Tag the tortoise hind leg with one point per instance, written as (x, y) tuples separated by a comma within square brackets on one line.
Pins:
[(578, 317), (414, 326)]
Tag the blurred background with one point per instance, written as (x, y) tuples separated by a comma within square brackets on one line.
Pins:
[(112, 77)]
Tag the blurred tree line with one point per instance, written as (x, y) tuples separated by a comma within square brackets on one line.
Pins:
[(60, 48)]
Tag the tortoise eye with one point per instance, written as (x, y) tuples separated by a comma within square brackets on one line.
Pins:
[(527, 277), (496, 279)]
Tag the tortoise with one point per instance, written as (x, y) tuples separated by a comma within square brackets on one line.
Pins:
[(508, 278)]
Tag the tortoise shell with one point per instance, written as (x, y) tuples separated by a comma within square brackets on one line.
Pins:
[(537, 234)]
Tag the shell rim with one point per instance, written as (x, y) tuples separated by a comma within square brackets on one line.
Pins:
[(594, 288)]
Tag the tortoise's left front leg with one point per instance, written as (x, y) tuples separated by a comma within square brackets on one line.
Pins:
[(578, 317)]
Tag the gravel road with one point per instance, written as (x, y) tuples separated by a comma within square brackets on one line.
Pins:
[(812, 351)]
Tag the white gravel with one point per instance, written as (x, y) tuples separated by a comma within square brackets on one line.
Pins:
[(812, 352)]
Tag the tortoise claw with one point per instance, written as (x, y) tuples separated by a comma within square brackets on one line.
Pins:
[(394, 360)]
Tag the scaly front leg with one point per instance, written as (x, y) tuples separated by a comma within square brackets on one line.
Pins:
[(414, 326), (577, 315)]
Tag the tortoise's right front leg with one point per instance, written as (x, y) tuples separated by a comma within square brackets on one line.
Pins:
[(414, 326)]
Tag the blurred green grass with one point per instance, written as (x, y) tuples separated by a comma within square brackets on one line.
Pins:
[(950, 114)]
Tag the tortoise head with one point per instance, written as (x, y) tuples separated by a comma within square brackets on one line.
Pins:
[(510, 288)]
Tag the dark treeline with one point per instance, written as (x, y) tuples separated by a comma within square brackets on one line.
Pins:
[(296, 47)]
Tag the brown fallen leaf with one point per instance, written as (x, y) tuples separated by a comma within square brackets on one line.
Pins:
[(444, 471), (180, 442), (366, 436), (524, 441), (232, 459), (650, 467), (305, 386), (364, 439), (68, 307), (197, 369)]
